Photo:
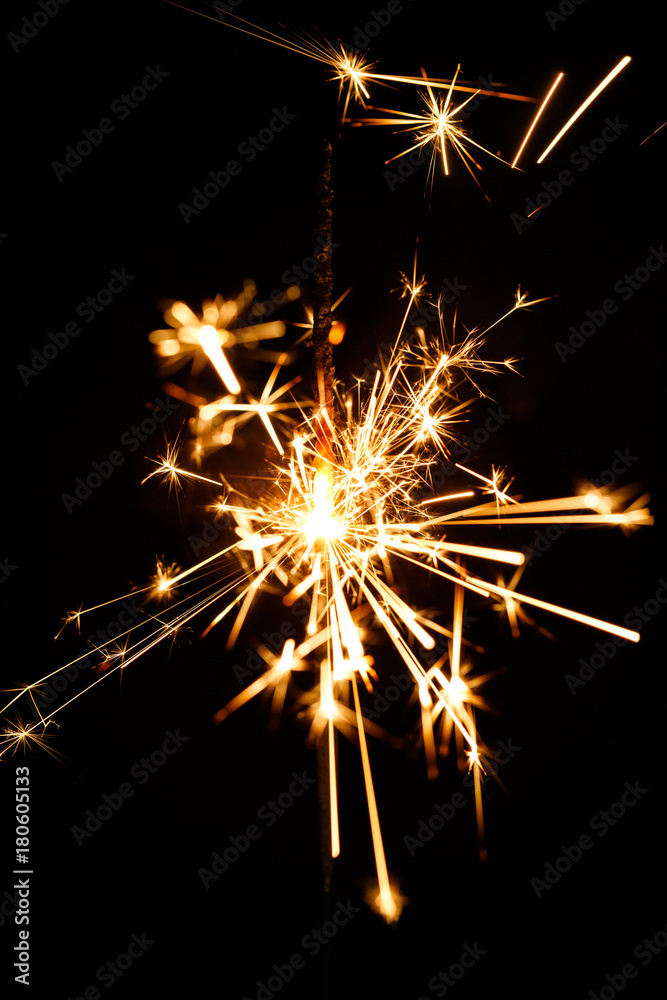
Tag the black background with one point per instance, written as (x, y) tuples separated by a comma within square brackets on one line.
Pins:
[(120, 209)]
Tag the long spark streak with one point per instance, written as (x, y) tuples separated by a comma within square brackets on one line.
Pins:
[(537, 118), (610, 76)]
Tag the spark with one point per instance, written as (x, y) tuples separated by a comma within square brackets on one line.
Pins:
[(351, 69), (18, 736), (537, 118), (610, 76), (652, 133), (436, 126), (211, 334), (343, 516)]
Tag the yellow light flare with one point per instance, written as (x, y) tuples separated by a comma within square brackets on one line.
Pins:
[(610, 76), (208, 339), (337, 332), (222, 325)]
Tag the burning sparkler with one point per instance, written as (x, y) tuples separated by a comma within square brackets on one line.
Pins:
[(344, 522), (351, 512)]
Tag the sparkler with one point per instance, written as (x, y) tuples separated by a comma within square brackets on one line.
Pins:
[(344, 523), (351, 513)]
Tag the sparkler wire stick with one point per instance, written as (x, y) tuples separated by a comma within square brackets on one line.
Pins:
[(324, 415)]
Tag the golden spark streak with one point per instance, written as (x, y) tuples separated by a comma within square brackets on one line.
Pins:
[(211, 345), (537, 118), (624, 633), (610, 76), (450, 496), (388, 905), (652, 133)]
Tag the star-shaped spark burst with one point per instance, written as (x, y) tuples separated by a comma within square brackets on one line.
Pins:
[(436, 126), (209, 336)]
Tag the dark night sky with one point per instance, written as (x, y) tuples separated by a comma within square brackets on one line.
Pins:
[(119, 210)]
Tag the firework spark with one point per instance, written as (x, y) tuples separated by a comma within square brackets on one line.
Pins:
[(353, 70), (437, 126), (580, 110), (343, 527)]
